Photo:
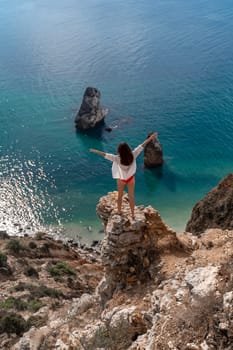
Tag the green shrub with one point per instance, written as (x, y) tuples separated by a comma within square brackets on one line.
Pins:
[(34, 305), (107, 337), (13, 303), (20, 304), (36, 321), (15, 246), (40, 235), (21, 286), (61, 268), (32, 245), (45, 248), (43, 291), (66, 246), (12, 323), (39, 291), (3, 259), (31, 272)]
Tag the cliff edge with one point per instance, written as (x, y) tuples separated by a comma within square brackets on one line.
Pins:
[(148, 288)]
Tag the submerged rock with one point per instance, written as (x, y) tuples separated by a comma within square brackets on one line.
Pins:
[(90, 112), (215, 210)]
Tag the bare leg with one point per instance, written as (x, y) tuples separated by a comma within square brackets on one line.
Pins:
[(131, 186), (120, 187)]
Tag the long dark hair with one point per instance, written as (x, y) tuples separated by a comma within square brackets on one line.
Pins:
[(125, 153)]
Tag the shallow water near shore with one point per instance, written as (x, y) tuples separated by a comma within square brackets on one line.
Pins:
[(160, 65)]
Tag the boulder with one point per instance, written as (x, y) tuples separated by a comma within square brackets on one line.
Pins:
[(153, 154), (202, 280), (90, 112), (215, 210)]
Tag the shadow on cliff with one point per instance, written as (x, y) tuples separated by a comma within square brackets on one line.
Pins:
[(162, 174)]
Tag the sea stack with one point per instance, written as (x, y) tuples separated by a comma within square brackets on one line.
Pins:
[(90, 113), (153, 154)]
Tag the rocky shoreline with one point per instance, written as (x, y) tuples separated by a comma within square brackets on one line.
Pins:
[(144, 287)]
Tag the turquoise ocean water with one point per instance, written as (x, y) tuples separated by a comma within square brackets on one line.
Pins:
[(163, 65)]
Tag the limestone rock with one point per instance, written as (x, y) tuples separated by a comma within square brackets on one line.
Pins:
[(118, 328), (227, 300), (82, 304), (129, 249), (215, 210), (153, 154), (154, 295), (90, 112), (128, 319), (32, 339), (202, 280)]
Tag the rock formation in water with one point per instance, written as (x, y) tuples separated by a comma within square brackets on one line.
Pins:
[(215, 210), (153, 154), (90, 113)]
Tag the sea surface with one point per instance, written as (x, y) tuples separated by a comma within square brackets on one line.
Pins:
[(161, 65)]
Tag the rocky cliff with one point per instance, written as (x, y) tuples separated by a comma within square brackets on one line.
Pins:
[(215, 210), (130, 247), (148, 288)]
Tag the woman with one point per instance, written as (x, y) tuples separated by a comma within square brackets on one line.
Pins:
[(124, 168)]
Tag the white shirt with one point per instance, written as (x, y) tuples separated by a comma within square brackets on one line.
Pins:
[(120, 171)]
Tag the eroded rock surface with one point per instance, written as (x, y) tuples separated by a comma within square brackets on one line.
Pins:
[(215, 210), (153, 154), (178, 298), (130, 246), (90, 112)]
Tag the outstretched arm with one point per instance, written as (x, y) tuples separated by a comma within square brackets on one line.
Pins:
[(100, 153), (149, 139)]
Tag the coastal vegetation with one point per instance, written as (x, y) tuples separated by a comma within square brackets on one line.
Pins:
[(12, 323), (37, 275), (15, 246), (3, 259), (61, 268)]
